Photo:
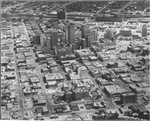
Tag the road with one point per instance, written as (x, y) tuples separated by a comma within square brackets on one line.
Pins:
[(20, 94), (101, 10), (125, 6), (38, 70), (64, 6)]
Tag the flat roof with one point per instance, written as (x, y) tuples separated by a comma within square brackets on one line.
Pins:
[(116, 89)]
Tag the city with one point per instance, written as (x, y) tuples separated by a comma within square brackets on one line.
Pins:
[(75, 60)]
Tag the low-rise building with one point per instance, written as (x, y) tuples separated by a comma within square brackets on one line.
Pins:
[(128, 98), (115, 90)]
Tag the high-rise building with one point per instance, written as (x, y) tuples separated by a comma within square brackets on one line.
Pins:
[(95, 35), (66, 33), (45, 44), (61, 15), (83, 43), (42, 39), (144, 30), (89, 39), (84, 30), (71, 33), (63, 38), (54, 38), (36, 39)]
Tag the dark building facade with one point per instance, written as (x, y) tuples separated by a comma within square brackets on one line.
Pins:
[(128, 98), (71, 33)]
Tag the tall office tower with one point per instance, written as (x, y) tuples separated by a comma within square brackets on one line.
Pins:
[(83, 43), (95, 35), (66, 33), (45, 44), (54, 38), (89, 39), (71, 33), (61, 14), (36, 39), (42, 39), (109, 34), (84, 30), (144, 30)]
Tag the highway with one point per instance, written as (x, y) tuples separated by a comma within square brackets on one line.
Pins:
[(101, 10)]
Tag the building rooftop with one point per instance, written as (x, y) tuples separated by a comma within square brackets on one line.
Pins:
[(116, 89)]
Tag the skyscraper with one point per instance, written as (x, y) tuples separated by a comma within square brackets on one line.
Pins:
[(54, 38), (42, 39), (84, 30), (89, 39), (71, 33), (144, 30), (45, 44), (36, 39), (66, 33), (83, 43), (95, 35)]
